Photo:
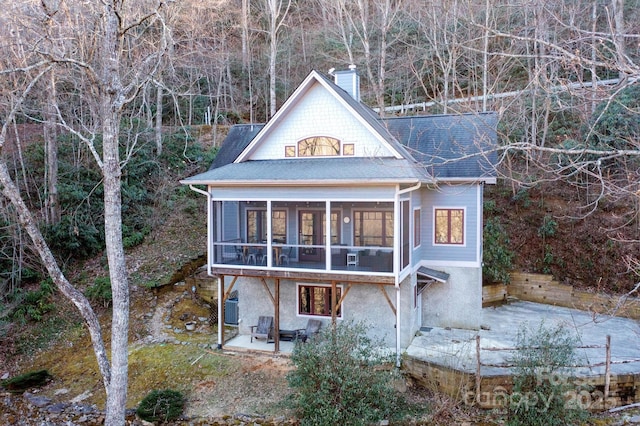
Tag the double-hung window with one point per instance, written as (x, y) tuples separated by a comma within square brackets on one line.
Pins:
[(449, 226)]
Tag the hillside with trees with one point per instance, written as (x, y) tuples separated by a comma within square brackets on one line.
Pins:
[(92, 94)]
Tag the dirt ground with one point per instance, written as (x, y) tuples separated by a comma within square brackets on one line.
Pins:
[(258, 385)]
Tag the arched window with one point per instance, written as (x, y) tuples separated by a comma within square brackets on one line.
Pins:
[(318, 146)]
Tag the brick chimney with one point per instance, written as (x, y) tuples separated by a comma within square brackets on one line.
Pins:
[(349, 81)]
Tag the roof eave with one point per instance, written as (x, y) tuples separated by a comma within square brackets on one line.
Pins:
[(488, 180), (289, 183)]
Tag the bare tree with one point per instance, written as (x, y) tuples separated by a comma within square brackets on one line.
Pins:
[(367, 26), (277, 11), (128, 53)]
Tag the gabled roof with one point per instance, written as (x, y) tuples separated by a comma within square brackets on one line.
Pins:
[(359, 111), (444, 147), (460, 146)]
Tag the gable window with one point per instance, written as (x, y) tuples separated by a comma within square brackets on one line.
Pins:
[(373, 228), (348, 149), (449, 226), (316, 300), (318, 146)]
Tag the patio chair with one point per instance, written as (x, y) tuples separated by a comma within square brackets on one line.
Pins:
[(285, 255), (313, 327), (240, 253), (264, 329)]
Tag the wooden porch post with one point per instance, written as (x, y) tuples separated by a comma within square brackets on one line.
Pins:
[(334, 291), (276, 331)]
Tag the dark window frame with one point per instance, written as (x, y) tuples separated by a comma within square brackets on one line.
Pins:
[(449, 223), (317, 308)]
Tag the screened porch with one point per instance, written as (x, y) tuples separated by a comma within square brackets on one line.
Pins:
[(292, 235)]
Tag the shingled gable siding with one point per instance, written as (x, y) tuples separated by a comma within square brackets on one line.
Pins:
[(451, 196), (319, 114)]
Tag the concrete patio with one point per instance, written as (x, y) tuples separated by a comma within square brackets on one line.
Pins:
[(242, 342), (456, 349)]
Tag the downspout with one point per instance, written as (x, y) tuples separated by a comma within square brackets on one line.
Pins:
[(198, 190), (209, 225), (220, 319), (397, 275), (209, 253)]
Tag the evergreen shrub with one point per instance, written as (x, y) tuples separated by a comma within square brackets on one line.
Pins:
[(341, 377), (161, 406), (543, 369)]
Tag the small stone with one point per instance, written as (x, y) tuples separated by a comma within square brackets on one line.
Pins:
[(57, 408), (61, 391), (5, 376), (82, 409), (38, 401), (84, 395)]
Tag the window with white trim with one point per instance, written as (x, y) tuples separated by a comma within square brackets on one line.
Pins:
[(449, 226), (315, 300)]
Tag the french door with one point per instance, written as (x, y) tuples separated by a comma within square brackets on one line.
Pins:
[(311, 226)]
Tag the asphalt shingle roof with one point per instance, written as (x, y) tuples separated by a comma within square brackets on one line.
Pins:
[(450, 146), (460, 146), (314, 170), (239, 136)]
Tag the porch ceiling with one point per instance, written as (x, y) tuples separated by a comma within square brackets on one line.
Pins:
[(305, 276)]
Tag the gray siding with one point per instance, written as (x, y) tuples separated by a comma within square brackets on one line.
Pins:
[(230, 225), (454, 196)]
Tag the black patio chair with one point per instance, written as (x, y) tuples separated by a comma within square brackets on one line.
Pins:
[(313, 328), (264, 329)]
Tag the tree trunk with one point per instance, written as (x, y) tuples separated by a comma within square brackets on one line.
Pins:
[(618, 36), (273, 51), (245, 35), (159, 121), (110, 107), (28, 222), (52, 209)]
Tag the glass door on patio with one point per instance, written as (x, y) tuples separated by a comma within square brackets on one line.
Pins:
[(311, 224)]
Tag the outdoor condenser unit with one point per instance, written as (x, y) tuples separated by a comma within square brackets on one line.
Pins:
[(231, 312)]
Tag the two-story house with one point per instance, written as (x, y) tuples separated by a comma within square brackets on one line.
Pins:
[(329, 211)]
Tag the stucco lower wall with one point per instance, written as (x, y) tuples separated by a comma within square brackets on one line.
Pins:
[(363, 303), (456, 303)]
